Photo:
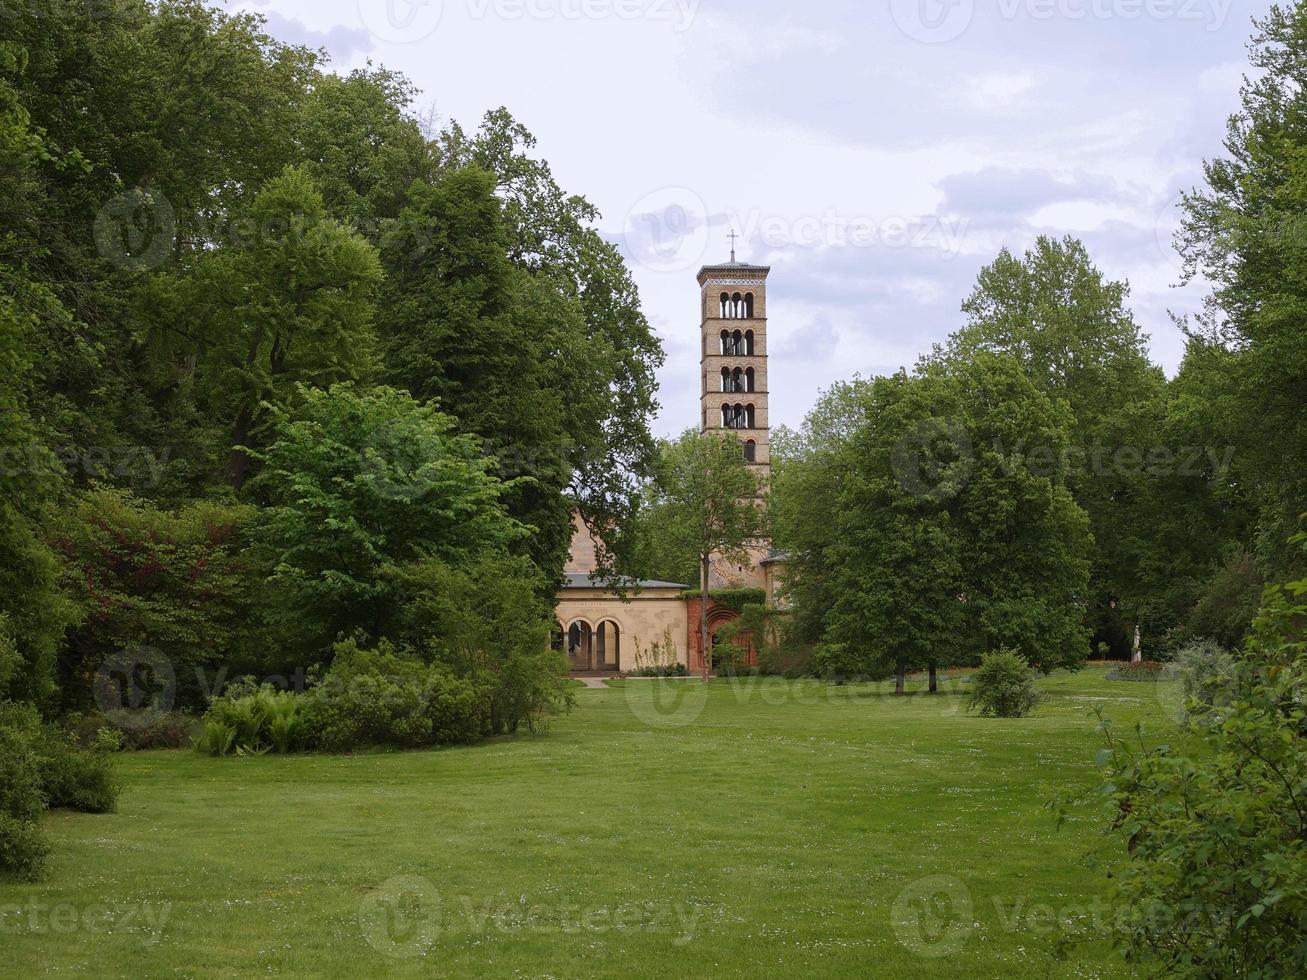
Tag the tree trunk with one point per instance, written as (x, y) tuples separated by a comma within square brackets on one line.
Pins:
[(703, 618), (934, 678), (901, 677)]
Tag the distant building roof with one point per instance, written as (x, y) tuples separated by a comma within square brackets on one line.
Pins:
[(775, 556), (582, 580), (733, 267)]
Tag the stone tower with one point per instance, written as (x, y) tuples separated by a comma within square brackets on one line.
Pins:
[(733, 308)]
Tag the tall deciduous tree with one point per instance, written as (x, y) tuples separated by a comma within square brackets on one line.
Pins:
[(710, 503), (1068, 327), (955, 532), (1247, 234), (290, 301)]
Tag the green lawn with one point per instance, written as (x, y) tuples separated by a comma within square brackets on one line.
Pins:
[(769, 827)]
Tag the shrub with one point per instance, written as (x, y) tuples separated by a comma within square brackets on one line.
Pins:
[(1206, 669), (663, 670), (23, 847), (250, 720), (1003, 686), (75, 778), (370, 697), (1214, 829), (174, 730), (68, 775), (391, 697), (835, 662), (1143, 670), (144, 576)]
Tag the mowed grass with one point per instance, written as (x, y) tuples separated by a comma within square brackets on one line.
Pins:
[(763, 828)]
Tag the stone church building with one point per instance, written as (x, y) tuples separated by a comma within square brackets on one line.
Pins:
[(655, 624)]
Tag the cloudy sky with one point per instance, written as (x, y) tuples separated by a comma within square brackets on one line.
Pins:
[(875, 153)]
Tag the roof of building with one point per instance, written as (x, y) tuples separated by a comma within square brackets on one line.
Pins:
[(775, 556), (582, 580), (736, 266)]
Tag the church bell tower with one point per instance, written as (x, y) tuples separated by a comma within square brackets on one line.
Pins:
[(733, 364)]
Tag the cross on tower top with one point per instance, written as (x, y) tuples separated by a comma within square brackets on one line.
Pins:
[(733, 237)]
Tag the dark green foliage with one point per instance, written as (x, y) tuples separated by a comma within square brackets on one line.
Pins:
[(485, 622), (389, 697), (1228, 604), (949, 538), (358, 485), (74, 777), (1214, 827), (23, 848), (736, 599), (1003, 686), (667, 670), (176, 579), (42, 766), (1245, 234)]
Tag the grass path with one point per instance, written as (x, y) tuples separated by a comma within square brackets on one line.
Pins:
[(762, 828)]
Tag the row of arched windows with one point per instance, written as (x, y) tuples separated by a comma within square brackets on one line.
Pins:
[(737, 307), (737, 343), (738, 417), (590, 648), (738, 380)]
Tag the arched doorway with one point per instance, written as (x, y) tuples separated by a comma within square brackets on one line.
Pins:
[(580, 645), (608, 646)]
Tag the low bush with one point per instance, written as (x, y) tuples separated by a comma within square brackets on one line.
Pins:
[(23, 847), (1206, 669), (1212, 826), (75, 778), (250, 720), (1142, 670), (664, 670), (175, 730), (370, 697), (391, 697), (1003, 686)]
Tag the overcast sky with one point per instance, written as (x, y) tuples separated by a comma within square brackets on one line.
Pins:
[(875, 153)]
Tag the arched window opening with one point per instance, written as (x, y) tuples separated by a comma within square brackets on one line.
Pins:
[(737, 306), (580, 645), (608, 654), (748, 418), (748, 343), (748, 305), (751, 452), (728, 417), (749, 380), (726, 342), (726, 379), (725, 301), (737, 343), (737, 380)]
